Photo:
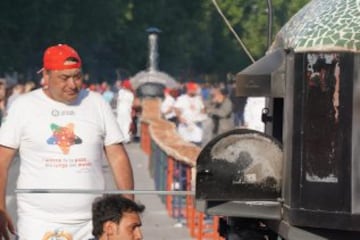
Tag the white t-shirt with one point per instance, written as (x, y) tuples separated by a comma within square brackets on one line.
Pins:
[(124, 105), (60, 147), (166, 105), (191, 110)]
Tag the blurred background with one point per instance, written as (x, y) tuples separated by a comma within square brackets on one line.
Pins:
[(112, 40)]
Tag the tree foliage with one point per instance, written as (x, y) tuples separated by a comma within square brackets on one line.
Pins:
[(110, 35)]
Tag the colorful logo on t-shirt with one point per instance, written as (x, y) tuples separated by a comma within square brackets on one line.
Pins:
[(57, 234), (64, 137)]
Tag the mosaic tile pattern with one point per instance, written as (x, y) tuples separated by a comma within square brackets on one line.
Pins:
[(323, 26)]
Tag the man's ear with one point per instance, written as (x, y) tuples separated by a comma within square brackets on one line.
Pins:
[(109, 228), (45, 78)]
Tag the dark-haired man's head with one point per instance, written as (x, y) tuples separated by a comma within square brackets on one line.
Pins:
[(116, 217)]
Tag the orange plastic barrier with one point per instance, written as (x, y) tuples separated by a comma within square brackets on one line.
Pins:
[(145, 138), (169, 184)]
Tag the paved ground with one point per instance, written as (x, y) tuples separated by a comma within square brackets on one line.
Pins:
[(157, 225)]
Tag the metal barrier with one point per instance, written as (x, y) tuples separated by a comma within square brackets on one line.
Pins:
[(89, 191)]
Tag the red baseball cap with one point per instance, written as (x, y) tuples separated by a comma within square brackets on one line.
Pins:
[(191, 87), (167, 90), (126, 84), (57, 58)]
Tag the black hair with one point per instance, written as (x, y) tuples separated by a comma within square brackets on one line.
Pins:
[(111, 207)]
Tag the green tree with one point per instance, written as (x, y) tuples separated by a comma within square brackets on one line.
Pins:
[(111, 34), (250, 20)]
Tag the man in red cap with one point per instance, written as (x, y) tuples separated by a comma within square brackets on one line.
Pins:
[(124, 108), (62, 133), (190, 112)]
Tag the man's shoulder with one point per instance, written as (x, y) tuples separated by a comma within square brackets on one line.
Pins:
[(124, 92), (182, 97), (90, 95), (33, 93), (93, 99)]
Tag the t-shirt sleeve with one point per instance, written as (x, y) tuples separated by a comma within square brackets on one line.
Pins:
[(201, 103), (165, 105), (11, 128), (179, 102), (112, 132)]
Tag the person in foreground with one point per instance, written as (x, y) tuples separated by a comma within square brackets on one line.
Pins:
[(62, 133), (116, 218)]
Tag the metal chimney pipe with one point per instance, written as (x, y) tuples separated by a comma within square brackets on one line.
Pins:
[(153, 48)]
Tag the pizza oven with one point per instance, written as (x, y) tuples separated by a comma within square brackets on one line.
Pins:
[(305, 168)]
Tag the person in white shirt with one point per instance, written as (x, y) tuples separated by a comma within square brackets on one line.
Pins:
[(62, 133), (107, 93), (17, 90), (190, 111), (124, 109), (167, 106)]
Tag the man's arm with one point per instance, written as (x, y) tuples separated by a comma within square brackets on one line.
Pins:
[(121, 167), (6, 156)]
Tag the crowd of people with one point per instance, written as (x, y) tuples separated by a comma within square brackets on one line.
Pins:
[(200, 111), (119, 96), (203, 111), (9, 93)]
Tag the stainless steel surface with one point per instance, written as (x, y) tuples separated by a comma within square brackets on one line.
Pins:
[(153, 49), (153, 77), (247, 209), (153, 74), (265, 77), (89, 191)]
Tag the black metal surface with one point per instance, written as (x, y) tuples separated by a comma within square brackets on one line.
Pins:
[(322, 146), (323, 219), (234, 166), (319, 153), (274, 125), (355, 139), (289, 232)]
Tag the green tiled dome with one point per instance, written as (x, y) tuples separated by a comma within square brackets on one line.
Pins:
[(323, 26)]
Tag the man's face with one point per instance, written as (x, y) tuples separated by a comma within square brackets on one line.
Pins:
[(128, 228), (63, 85), (192, 93)]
